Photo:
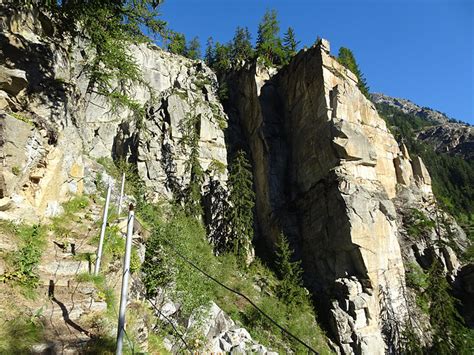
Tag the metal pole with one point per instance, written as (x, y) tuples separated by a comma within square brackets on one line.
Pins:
[(126, 275), (102, 231), (121, 195)]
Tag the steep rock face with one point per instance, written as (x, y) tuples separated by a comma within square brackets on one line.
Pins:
[(326, 169), (61, 121)]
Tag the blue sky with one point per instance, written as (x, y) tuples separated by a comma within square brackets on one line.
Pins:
[(421, 50)]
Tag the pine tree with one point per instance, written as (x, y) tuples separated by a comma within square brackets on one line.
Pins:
[(177, 43), (193, 191), (290, 44), (242, 201), (210, 55), (449, 333), (189, 129), (193, 49), (290, 288), (241, 46), (347, 59), (269, 45), (222, 60)]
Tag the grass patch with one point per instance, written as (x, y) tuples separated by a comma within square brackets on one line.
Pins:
[(61, 225), (76, 204), (21, 268), (18, 332)]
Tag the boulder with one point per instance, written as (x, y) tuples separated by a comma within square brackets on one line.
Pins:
[(12, 81)]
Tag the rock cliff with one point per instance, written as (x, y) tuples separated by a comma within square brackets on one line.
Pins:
[(327, 172), (62, 125)]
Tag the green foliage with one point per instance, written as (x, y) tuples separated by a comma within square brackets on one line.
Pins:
[(156, 344), (110, 27), (242, 197), (409, 342), (76, 204), (449, 333), (61, 225), (114, 247), (177, 43), (21, 117), (269, 46), (217, 166), (290, 289), (19, 333), (187, 235), (417, 280), (241, 49), (209, 54), (223, 57), (347, 59), (418, 225), (290, 44), (163, 268), (193, 49), (190, 130), (22, 265), (16, 170)]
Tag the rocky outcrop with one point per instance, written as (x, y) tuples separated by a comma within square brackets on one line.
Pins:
[(63, 126), (326, 172), (444, 134), (452, 138)]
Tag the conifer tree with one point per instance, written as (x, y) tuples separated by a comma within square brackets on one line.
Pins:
[(290, 288), (177, 43), (346, 58), (269, 45), (193, 49), (242, 201), (193, 191), (222, 60), (290, 44), (210, 55), (189, 129), (241, 46), (449, 333)]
